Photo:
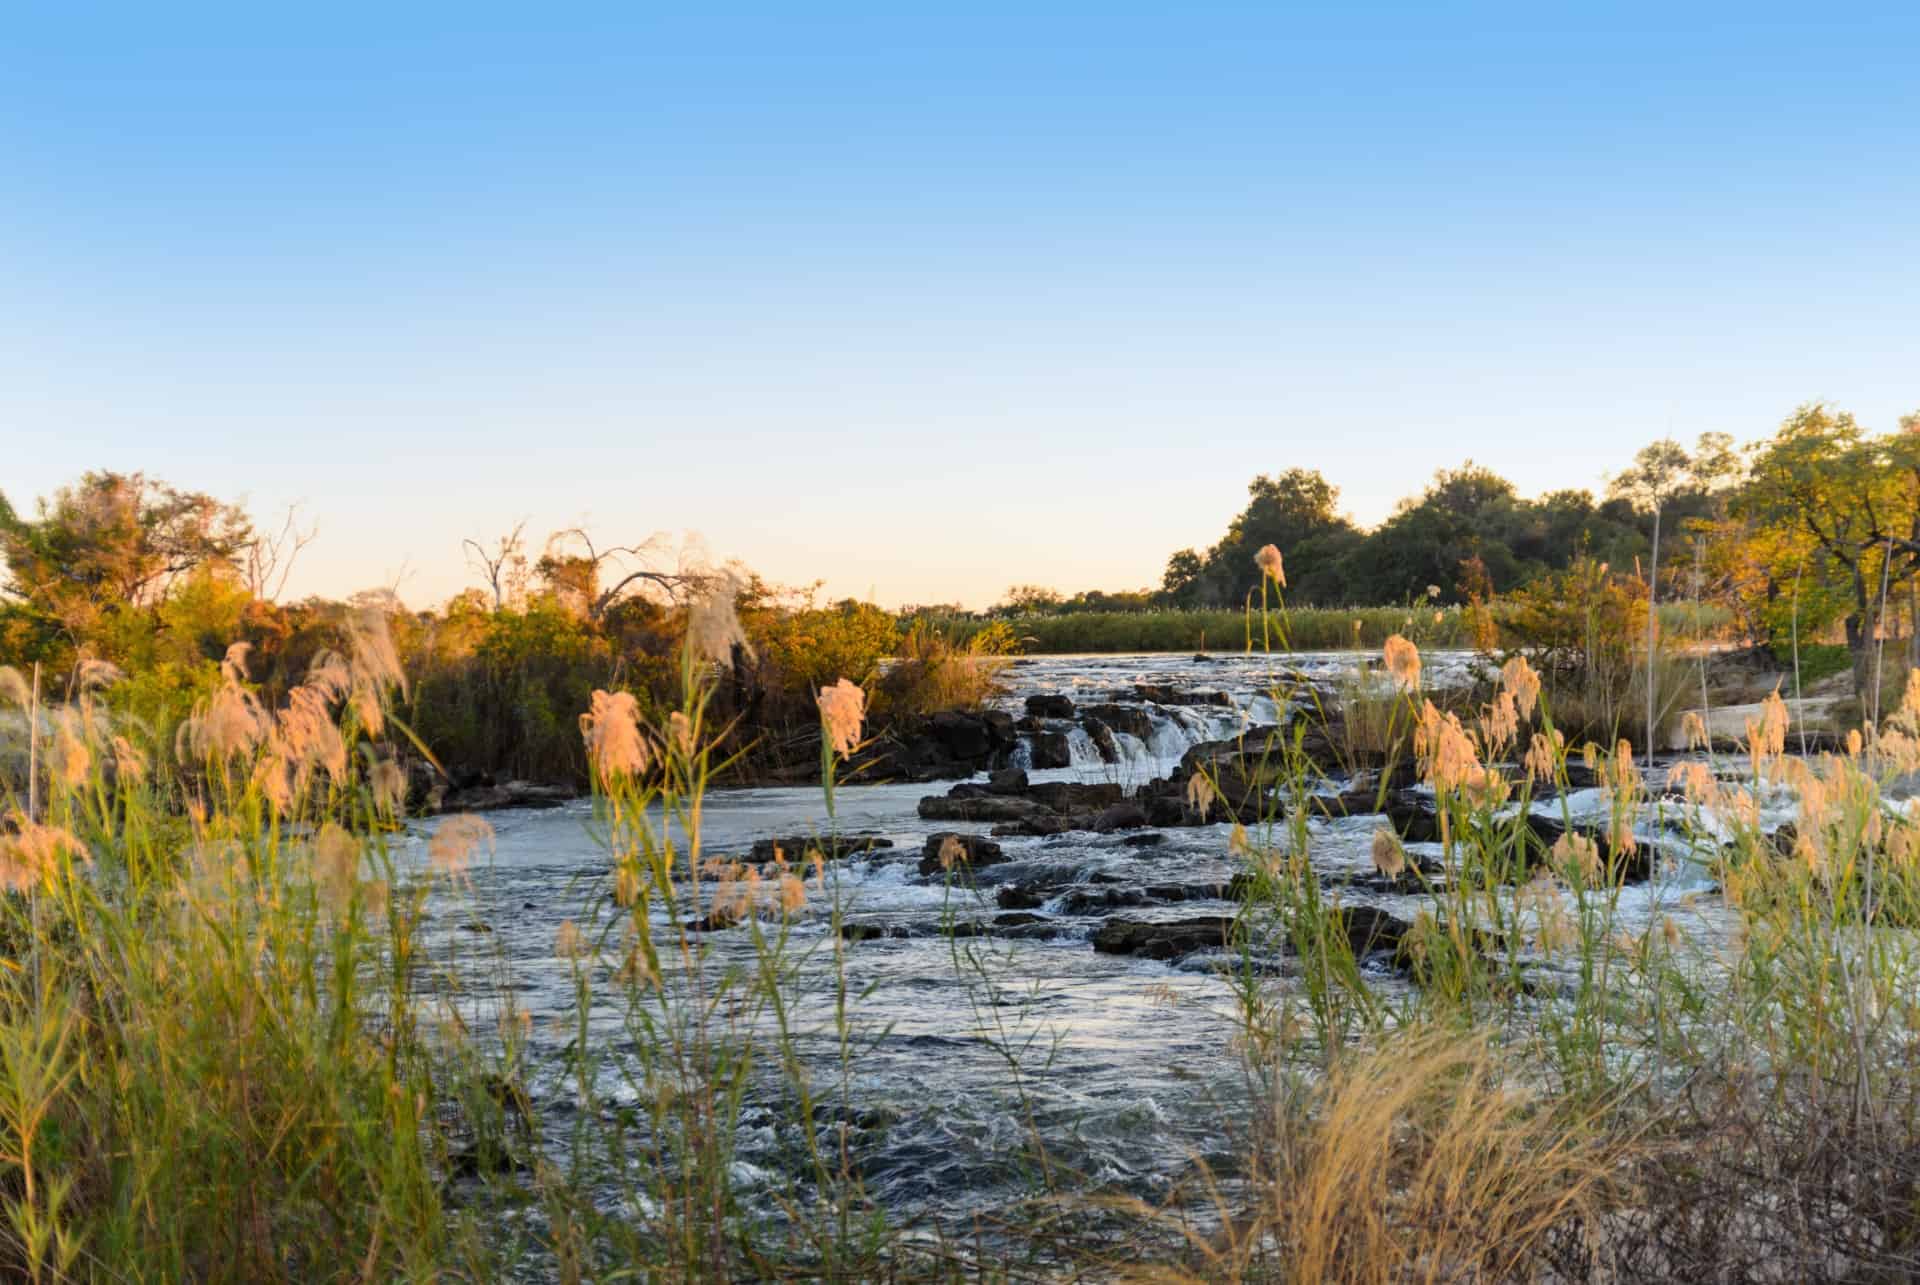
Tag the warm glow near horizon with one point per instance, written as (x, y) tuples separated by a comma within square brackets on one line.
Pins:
[(888, 299)]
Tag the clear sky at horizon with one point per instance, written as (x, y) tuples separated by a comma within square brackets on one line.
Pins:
[(922, 301)]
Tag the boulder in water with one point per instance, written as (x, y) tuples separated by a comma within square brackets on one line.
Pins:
[(1050, 705), (973, 850), (1050, 749), (1165, 940), (797, 849), (1102, 740), (1008, 780), (1134, 720), (1125, 815)]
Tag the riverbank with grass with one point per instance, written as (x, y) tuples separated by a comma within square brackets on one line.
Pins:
[(1300, 970)]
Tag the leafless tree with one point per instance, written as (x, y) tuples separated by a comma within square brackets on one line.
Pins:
[(573, 562), (270, 556), (504, 566)]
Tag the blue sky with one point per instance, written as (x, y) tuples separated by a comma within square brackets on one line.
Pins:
[(926, 301)]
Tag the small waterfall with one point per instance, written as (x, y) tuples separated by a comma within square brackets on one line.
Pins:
[(1137, 762), (1086, 755), (1261, 709), (1173, 734)]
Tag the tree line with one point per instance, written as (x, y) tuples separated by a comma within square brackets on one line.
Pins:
[(1813, 531)]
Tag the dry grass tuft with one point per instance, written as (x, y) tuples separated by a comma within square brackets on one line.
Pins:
[(1422, 1160)]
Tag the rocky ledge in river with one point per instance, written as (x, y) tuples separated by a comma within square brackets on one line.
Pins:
[(950, 745), (1370, 933), (1051, 807), (797, 849), (487, 796)]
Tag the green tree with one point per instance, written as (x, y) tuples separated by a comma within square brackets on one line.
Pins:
[(1298, 512), (113, 544), (1465, 513), (1180, 582), (1844, 507)]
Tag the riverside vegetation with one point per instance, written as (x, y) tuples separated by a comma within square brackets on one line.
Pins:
[(227, 1050), (1803, 549), (237, 1042)]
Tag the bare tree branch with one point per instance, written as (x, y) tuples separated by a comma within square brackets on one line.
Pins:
[(500, 565), (270, 557)]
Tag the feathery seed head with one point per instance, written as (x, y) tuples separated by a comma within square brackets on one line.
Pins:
[(1402, 660), (843, 708), (1389, 858), (453, 844), (611, 730), (1270, 564)]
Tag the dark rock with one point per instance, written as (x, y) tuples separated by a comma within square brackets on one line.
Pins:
[(1143, 840), (915, 756), (1050, 705), (1087, 900), (1068, 796), (1102, 740), (1167, 810), (1370, 930), (1168, 694), (1423, 874), (1019, 919), (1134, 720), (1010, 780), (1119, 816), (795, 848), (1259, 754), (1415, 816), (1235, 798), (1050, 749), (975, 851), (1041, 824), (963, 735), (869, 932), (498, 798), (988, 808), (1164, 940), (1018, 896), (1201, 658)]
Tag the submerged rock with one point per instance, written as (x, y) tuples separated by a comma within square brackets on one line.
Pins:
[(869, 932)]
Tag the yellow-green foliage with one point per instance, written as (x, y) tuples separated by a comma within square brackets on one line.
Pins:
[(934, 672), (810, 648)]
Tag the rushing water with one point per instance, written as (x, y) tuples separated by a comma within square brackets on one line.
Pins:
[(1126, 1068)]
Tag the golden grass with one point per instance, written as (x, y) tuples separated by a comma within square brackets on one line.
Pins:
[(1424, 1159), (224, 1054)]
